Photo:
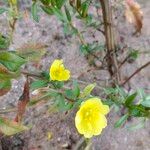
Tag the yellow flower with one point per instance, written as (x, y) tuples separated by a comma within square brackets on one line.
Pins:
[(90, 119), (58, 71)]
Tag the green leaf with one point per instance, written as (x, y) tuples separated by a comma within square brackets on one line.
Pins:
[(9, 128), (138, 111), (34, 12), (108, 102), (87, 90), (45, 2), (121, 121), (57, 84), (135, 112), (122, 92), (76, 89), (5, 86), (84, 49), (11, 61), (46, 75), (2, 10), (68, 14), (60, 3), (53, 3), (69, 94), (109, 91), (77, 103), (84, 9), (62, 104), (47, 9), (146, 102), (38, 84), (4, 42), (134, 54), (116, 107), (73, 93), (141, 93), (59, 14), (129, 100), (5, 74)]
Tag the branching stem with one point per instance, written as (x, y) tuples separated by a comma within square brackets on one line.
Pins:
[(137, 71)]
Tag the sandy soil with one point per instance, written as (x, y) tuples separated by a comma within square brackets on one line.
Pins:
[(64, 135)]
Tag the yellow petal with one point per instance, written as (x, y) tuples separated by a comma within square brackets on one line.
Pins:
[(99, 124), (65, 75), (104, 109), (97, 104)]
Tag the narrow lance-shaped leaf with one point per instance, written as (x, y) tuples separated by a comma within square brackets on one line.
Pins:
[(137, 111), (53, 3), (60, 3), (47, 9), (34, 11), (45, 2), (39, 84), (129, 100), (5, 79), (146, 102), (4, 42), (73, 93), (5, 74), (121, 121), (84, 8), (76, 89), (68, 14), (11, 61), (59, 14), (87, 90)]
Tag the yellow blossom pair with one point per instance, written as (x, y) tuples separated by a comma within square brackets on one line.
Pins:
[(90, 119), (58, 71)]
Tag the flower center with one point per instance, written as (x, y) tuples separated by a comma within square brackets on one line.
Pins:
[(58, 71), (88, 115)]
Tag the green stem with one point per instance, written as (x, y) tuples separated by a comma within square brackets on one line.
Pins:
[(79, 35), (12, 22), (39, 75)]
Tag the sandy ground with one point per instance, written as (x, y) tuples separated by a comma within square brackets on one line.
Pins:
[(64, 135)]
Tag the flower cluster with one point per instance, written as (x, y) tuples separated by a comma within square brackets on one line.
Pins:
[(90, 118)]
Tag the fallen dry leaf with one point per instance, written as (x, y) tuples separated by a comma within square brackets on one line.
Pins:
[(23, 101), (134, 15)]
